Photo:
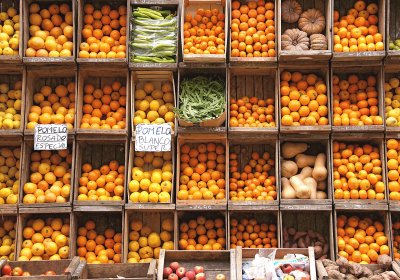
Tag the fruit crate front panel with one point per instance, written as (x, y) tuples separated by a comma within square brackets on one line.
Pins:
[(17, 4)]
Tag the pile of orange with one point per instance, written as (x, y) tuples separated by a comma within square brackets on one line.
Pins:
[(51, 30), (251, 234), (204, 32), (9, 174), (361, 240), (53, 106), (392, 154), (358, 31), (355, 101), (8, 233), (396, 240), (202, 234), (104, 108), (253, 29), (10, 105), (357, 171), (252, 112), (10, 26), (45, 239), (304, 100), (202, 174), (104, 32), (50, 177), (105, 183), (98, 248), (255, 181)]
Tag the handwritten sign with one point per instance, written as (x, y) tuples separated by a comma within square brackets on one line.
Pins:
[(51, 137), (153, 138)]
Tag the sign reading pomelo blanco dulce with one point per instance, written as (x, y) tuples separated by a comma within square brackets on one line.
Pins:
[(50, 137), (153, 138)]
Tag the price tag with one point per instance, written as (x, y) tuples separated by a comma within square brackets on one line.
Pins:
[(153, 138), (50, 137)]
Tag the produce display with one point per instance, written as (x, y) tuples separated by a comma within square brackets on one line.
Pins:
[(392, 102), (104, 31), (99, 246), (303, 174), (252, 112), (393, 149), (293, 238), (145, 243), (201, 233), (175, 272), (10, 105), (256, 180), (357, 171), (53, 105), (304, 99), (10, 165), (355, 100), (358, 30), (154, 103), (154, 35), (253, 29), (396, 239), (10, 26), (16, 271), (51, 30), (49, 177), (394, 45), (8, 232), (45, 239), (151, 177), (361, 240), (104, 107), (202, 172)]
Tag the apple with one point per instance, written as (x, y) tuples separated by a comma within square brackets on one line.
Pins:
[(17, 271), (181, 271), (198, 269), (200, 276), (185, 278), (50, 272), (26, 273), (220, 277), (173, 276), (287, 268), (174, 266), (167, 271), (191, 275), (6, 270)]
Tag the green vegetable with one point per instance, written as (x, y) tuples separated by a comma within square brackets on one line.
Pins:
[(201, 98)]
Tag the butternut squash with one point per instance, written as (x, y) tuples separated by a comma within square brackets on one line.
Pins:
[(321, 185), (310, 182), (287, 190), (305, 172), (303, 160), (290, 149), (301, 189), (320, 172), (289, 168), (321, 195)]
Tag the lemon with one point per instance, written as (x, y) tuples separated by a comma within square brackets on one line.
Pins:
[(166, 186), (140, 113), (144, 197), (8, 29), (164, 197), (143, 241), (156, 177), (154, 240), (137, 175), (8, 51), (134, 197), (153, 197), (134, 186), (4, 193), (159, 121), (169, 245), (8, 124), (3, 16), (143, 105), (144, 184), (4, 44), (133, 246), (155, 187)]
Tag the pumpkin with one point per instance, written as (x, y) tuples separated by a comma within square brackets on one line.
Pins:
[(295, 40), (312, 21), (318, 42), (291, 10)]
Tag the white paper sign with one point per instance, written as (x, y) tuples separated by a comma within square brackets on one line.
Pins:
[(51, 137), (153, 138)]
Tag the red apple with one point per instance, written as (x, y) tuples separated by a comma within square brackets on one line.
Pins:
[(17, 271), (185, 278), (220, 277), (167, 271), (173, 276), (287, 268), (181, 272), (200, 276), (26, 273), (198, 269), (191, 275), (174, 266), (6, 270)]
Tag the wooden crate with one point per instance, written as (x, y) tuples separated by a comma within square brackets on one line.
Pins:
[(252, 82), (392, 29), (322, 71), (114, 63), (138, 78), (244, 149), (249, 254), (305, 220), (172, 5), (38, 77), (90, 151), (100, 77), (130, 271), (255, 61), (190, 7), (325, 7), (214, 262), (360, 204), (394, 205), (362, 72), (343, 6), (10, 75), (389, 71), (13, 217), (13, 59), (162, 206), (26, 35), (317, 144), (220, 204), (262, 217), (26, 172), (394, 219)]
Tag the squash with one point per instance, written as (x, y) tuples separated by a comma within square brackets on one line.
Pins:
[(321, 185), (305, 172), (310, 182), (291, 10), (287, 190), (290, 149), (289, 168), (295, 40), (301, 189), (320, 172), (321, 195), (312, 21), (318, 42), (303, 160)]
